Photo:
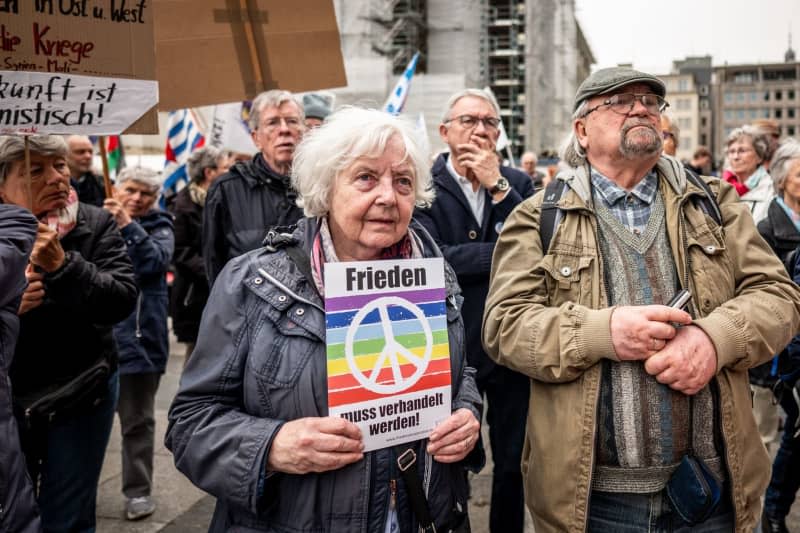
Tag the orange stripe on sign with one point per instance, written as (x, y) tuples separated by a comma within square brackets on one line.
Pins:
[(360, 394)]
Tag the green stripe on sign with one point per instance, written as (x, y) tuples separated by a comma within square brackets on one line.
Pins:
[(370, 346)]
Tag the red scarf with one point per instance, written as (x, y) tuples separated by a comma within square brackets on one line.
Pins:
[(731, 178)]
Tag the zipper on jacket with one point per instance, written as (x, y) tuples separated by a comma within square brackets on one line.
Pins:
[(189, 294), (138, 315), (392, 495), (601, 266)]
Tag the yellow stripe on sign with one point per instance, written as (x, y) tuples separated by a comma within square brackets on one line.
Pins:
[(367, 362)]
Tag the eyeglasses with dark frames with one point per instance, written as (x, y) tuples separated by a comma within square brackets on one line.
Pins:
[(470, 121), (623, 103)]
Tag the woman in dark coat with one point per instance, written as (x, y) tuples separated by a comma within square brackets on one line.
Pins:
[(142, 338), (190, 288), (781, 229), (18, 229), (66, 315), (251, 423)]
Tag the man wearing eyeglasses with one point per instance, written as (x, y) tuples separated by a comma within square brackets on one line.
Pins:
[(640, 415), (474, 195), (254, 195)]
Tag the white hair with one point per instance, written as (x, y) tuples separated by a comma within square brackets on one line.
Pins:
[(273, 98), (571, 150), (347, 135), (782, 160), (477, 93), (143, 176)]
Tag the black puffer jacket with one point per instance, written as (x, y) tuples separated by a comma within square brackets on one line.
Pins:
[(241, 205), (93, 290), (18, 511)]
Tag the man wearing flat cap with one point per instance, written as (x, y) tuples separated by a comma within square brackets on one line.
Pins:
[(639, 413)]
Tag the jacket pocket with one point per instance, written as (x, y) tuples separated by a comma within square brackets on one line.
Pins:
[(567, 277), (711, 269)]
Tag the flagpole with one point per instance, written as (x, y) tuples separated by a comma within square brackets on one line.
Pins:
[(510, 155), (104, 159)]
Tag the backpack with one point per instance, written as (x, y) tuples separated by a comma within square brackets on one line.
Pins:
[(551, 213)]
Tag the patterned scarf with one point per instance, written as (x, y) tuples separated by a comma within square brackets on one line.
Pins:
[(322, 251), (64, 219)]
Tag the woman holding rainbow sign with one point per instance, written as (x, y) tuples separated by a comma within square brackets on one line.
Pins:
[(251, 423)]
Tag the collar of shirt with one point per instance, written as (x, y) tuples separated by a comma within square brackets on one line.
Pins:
[(611, 193), (456, 176)]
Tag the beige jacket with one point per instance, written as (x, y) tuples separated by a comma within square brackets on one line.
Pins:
[(546, 316)]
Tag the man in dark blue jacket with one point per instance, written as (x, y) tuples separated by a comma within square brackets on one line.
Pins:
[(18, 509), (473, 198), (142, 338)]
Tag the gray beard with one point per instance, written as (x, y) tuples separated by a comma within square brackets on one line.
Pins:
[(648, 148)]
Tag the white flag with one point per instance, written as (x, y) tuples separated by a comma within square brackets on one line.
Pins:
[(229, 129), (397, 99)]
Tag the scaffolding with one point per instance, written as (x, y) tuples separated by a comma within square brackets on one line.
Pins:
[(506, 66), (405, 22)]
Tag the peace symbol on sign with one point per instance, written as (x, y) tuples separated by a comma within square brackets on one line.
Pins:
[(391, 348)]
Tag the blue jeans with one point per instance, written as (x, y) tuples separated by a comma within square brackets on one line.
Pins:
[(75, 451), (634, 513), (786, 469)]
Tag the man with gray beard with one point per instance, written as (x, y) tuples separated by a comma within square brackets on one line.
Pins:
[(639, 415)]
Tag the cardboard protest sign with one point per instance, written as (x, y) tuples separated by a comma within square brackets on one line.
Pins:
[(215, 51), (387, 346), (77, 66)]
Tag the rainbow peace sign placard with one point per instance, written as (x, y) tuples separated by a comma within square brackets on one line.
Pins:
[(388, 353)]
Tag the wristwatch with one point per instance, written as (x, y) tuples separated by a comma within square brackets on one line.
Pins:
[(502, 185)]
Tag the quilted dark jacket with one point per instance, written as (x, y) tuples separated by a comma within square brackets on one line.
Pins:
[(18, 510)]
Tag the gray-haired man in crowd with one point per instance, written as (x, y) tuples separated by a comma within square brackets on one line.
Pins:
[(255, 195), (637, 408)]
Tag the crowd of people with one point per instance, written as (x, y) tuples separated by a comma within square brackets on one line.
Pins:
[(610, 407)]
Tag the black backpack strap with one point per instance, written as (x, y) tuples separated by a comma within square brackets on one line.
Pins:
[(551, 214), (709, 204)]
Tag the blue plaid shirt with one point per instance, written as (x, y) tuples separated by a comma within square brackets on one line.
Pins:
[(632, 208)]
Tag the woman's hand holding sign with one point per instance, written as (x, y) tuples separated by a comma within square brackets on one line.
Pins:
[(454, 437), (315, 444)]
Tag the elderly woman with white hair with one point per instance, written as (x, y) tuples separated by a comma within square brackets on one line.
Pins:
[(142, 337), (250, 423), (746, 153), (63, 373), (781, 227)]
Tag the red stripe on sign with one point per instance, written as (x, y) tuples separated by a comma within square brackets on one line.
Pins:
[(386, 376), (360, 394)]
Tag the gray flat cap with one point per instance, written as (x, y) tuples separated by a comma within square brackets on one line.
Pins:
[(609, 79)]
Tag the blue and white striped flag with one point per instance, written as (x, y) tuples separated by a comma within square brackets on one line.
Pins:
[(183, 137), (397, 99)]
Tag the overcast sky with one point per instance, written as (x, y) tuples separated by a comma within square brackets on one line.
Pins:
[(652, 34)]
